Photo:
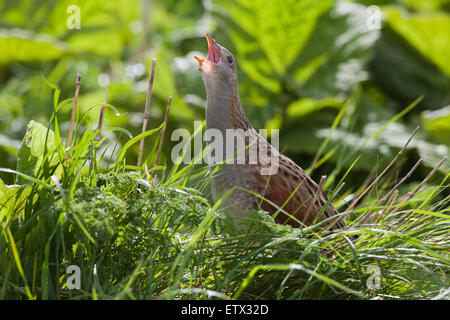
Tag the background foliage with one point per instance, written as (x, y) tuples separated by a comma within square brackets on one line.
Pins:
[(304, 67)]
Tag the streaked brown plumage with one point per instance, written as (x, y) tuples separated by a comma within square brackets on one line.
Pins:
[(289, 187)]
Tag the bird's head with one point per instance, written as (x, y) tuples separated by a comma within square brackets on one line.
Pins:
[(219, 68)]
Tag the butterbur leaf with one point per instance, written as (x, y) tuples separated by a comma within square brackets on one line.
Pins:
[(37, 152), (322, 46), (12, 200), (268, 35), (25, 46), (427, 33), (304, 106), (337, 53)]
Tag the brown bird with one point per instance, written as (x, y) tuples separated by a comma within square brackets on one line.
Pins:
[(279, 181)]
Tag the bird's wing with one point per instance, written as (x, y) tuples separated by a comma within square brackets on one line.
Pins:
[(294, 191)]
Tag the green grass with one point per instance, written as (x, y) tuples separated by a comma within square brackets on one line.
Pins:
[(140, 234)]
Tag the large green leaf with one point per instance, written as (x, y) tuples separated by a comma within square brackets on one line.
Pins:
[(12, 200), (108, 21), (304, 106), (321, 47), (428, 5), (268, 35), (403, 74), (429, 33), (335, 57), (37, 151), (23, 46)]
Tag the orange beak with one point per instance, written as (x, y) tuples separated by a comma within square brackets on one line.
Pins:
[(199, 59), (214, 54)]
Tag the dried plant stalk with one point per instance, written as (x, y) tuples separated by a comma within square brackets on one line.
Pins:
[(409, 195), (383, 172), (74, 111), (399, 183), (166, 118), (146, 111), (340, 217), (102, 116), (99, 127), (316, 196), (388, 205)]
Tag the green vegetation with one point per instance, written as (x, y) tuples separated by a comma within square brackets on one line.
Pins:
[(346, 98)]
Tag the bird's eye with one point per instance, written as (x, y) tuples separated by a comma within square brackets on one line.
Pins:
[(230, 59)]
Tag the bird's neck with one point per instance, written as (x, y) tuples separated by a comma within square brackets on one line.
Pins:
[(224, 110)]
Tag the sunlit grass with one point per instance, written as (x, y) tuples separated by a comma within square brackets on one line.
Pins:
[(151, 233)]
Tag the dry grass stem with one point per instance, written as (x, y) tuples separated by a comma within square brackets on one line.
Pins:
[(99, 127), (102, 116), (400, 182), (316, 196), (146, 111), (331, 199), (74, 111), (382, 173), (161, 141), (388, 205), (447, 198), (411, 194)]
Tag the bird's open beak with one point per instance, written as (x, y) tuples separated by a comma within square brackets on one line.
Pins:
[(200, 60), (214, 54)]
